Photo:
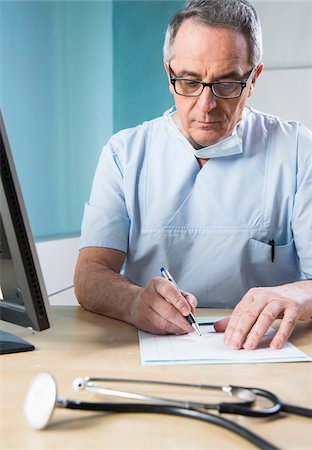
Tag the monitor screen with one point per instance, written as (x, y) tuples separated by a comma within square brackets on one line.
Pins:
[(23, 296)]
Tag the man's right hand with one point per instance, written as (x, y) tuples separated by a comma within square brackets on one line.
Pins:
[(160, 308)]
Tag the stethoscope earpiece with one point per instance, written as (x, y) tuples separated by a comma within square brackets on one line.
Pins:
[(79, 384)]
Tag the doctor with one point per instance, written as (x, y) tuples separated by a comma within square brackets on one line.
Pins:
[(216, 192)]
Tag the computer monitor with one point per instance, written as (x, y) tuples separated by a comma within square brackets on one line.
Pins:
[(23, 297)]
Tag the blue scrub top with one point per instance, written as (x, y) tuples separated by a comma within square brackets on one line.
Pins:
[(210, 226)]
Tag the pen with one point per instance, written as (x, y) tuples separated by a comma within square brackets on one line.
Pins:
[(190, 318), (272, 244)]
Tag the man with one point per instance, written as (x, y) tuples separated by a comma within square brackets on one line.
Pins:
[(214, 191)]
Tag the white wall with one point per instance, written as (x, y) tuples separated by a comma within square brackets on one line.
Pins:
[(285, 86), (58, 259), (287, 32), (274, 94)]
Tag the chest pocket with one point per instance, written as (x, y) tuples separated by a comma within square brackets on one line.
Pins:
[(262, 271)]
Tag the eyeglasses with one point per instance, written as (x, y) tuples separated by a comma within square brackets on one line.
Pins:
[(221, 89)]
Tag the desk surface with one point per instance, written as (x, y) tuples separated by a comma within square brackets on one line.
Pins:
[(85, 344)]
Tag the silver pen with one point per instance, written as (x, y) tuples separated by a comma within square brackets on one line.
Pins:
[(190, 318)]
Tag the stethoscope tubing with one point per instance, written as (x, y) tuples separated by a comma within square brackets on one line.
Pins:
[(235, 407), (277, 406), (161, 383), (298, 410), (172, 410), (232, 408)]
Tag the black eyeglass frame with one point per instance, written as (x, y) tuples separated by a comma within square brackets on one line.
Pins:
[(242, 84)]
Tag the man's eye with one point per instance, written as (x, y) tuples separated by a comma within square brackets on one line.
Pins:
[(227, 86), (190, 83)]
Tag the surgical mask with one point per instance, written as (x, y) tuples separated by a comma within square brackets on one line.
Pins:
[(226, 147)]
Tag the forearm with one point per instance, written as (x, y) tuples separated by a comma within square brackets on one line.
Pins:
[(101, 290)]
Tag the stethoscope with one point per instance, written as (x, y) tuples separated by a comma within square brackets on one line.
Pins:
[(41, 400)]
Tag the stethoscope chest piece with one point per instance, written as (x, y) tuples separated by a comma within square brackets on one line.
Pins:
[(40, 401)]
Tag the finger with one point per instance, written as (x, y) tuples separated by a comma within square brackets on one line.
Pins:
[(233, 327), (263, 323), (172, 294), (169, 319), (243, 319), (191, 299), (159, 320), (235, 317), (285, 329), (221, 325), (152, 313)]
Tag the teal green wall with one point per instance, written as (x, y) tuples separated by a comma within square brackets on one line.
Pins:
[(140, 83), (72, 73), (56, 98)]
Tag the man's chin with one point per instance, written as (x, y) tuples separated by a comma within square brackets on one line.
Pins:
[(203, 135), (200, 140)]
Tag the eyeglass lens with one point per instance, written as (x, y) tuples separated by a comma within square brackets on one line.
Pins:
[(230, 89)]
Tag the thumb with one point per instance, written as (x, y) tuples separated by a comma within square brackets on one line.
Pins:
[(221, 325)]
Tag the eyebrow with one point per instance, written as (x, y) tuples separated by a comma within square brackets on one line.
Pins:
[(229, 75)]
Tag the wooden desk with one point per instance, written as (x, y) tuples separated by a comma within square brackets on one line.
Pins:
[(84, 344)]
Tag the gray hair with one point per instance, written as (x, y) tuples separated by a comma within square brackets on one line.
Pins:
[(237, 15)]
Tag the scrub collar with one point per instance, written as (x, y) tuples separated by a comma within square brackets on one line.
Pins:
[(228, 146)]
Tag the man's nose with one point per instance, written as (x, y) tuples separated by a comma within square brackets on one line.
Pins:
[(206, 101)]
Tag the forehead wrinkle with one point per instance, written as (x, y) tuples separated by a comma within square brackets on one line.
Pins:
[(235, 73)]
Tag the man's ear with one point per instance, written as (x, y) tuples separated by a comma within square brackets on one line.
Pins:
[(254, 79), (166, 66)]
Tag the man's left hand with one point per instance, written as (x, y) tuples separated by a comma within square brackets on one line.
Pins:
[(258, 309)]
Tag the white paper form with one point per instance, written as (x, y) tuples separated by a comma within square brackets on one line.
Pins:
[(209, 349)]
